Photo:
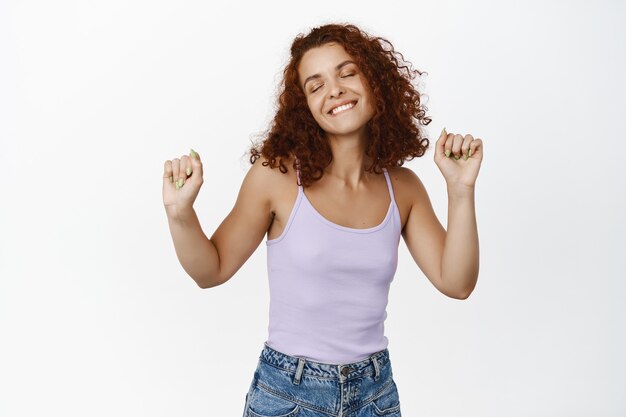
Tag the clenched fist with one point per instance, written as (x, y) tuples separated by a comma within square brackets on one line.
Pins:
[(182, 179)]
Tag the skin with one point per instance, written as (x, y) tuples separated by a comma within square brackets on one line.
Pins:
[(346, 195)]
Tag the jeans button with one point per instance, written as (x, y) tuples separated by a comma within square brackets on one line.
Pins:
[(345, 371)]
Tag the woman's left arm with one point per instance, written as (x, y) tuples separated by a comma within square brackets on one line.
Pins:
[(459, 158), (459, 263)]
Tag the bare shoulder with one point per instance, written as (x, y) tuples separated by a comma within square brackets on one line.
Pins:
[(272, 181), (403, 174), (262, 171), (408, 190), (407, 182)]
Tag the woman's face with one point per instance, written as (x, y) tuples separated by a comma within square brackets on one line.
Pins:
[(335, 90)]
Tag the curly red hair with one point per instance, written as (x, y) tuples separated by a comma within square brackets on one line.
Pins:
[(393, 137)]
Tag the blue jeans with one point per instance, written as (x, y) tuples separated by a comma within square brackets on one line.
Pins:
[(289, 386)]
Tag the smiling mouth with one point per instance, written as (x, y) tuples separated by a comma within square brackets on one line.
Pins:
[(341, 109)]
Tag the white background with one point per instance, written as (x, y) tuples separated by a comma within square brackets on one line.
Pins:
[(98, 318)]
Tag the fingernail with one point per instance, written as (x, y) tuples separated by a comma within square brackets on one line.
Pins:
[(443, 131), (171, 178), (193, 153), (179, 183), (447, 153), (470, 152), (465, 157), (456, 157), (188, 171)]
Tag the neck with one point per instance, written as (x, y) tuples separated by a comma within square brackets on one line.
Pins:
[(349, 159)]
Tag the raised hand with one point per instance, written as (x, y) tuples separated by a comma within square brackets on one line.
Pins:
[(182, 179), (459, 158)]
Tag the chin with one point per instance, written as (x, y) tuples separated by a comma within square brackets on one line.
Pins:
[(347, 131)]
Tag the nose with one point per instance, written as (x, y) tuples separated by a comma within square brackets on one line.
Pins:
[(335, 89)]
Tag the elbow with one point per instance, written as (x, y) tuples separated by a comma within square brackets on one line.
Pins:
[(213, 280), (461, 295), (462, 291), (207, 283), (204, 286)]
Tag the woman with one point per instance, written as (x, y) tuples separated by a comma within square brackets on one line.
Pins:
[(344, 125)]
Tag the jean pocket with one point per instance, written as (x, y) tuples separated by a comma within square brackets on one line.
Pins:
[(266, 404), (388, 403)]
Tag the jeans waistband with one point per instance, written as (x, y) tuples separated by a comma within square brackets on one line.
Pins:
[(342, 372)]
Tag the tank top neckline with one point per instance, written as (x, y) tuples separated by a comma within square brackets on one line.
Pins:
[(346, 228)]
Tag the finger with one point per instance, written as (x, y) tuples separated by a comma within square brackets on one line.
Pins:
[(182, 174), (449, 141), (176, 171), (440, 144), (457, 141), (467, 140), (185, 167), (168, 175), (175, 168), (476, 147), (196, 164)]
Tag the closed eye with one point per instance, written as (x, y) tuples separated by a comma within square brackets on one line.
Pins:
[(321, 85)]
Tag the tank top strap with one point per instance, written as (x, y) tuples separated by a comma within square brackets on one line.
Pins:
[(389, 184)]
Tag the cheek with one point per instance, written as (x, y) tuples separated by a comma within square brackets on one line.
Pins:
[(370, 108), (315, 108)]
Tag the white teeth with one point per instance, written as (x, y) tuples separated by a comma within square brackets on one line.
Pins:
[(342, 108)]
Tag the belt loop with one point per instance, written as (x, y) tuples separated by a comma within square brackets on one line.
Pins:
[(296, 379), (376, 368)]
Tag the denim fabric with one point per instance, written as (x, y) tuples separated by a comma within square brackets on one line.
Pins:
[(289, 386)]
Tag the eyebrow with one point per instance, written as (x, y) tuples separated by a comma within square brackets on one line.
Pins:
[(338, 67)]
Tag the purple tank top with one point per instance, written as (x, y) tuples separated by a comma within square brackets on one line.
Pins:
[(329, 284)]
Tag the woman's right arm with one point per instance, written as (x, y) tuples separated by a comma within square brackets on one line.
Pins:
[(212, 262)]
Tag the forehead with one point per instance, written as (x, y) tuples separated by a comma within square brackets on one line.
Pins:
[(321, 58)]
